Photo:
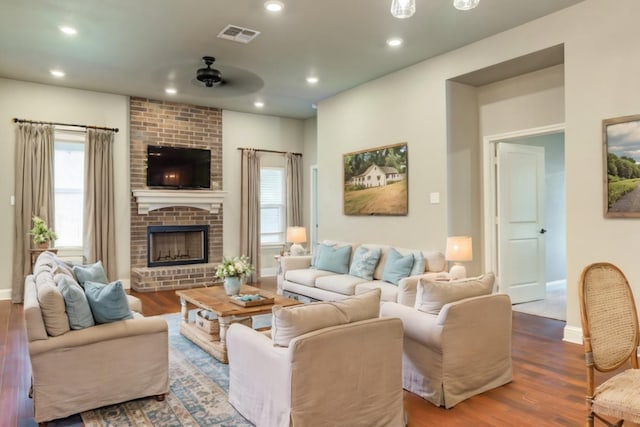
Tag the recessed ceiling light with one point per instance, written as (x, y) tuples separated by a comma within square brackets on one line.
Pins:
[(68, 30), (274, 6), (314, 106), (57, 73), (394, 42), (171, 91), (258, 104), (312, 80)]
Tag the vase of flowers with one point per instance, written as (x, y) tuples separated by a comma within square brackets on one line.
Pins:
[(231, 271), (41, 234)]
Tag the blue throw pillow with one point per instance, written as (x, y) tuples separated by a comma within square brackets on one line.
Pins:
[(419, 264), (108, 302), (364, 262), (75, 302), (335, 259), (397, 266), (92, 272), (316, 253)]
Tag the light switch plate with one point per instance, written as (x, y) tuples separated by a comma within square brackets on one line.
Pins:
[(434, 198)]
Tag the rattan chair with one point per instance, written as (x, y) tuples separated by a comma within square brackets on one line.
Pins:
[(610, 338)]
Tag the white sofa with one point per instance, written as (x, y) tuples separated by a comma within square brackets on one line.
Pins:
[(298, 278), (324, 364)]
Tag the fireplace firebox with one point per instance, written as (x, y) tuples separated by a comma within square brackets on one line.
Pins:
[(177, 245)]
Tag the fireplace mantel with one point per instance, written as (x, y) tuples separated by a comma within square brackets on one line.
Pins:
[(149, 200)]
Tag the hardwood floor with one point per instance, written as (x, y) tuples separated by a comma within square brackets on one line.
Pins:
[(547, 389)]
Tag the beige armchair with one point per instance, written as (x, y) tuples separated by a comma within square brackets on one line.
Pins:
[(347, 372), (463, 350)]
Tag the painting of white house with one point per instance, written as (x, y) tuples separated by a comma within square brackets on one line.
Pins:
[(375, 181)]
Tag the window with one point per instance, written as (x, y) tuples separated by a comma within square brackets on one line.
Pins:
[(272, 206), (68, 179)]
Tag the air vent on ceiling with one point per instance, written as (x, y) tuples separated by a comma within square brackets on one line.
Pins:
[(238, 34)]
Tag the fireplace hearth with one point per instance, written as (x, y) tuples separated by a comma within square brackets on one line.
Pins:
[(177, 245)]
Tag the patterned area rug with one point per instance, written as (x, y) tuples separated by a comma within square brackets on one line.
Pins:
[(198, 386), (554, 306)]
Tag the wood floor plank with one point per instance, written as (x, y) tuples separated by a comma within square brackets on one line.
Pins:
[(547, 389)]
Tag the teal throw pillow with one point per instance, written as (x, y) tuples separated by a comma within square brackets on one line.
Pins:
[(397, 266), (419, 264), (334, 259), (364, 262), (92, 272), (75, 302), (108, 302)]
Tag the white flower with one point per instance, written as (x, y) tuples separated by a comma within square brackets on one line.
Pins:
[(234, 267)]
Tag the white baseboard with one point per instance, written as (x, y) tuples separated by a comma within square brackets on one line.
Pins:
[(270, 271), (572, 334), (5, 294)]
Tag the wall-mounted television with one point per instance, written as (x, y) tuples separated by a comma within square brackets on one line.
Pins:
[(177, 167)]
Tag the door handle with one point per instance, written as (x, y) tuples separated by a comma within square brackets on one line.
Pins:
[(542, 231)]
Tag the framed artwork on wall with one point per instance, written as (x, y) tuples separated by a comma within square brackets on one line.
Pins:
[(375, 181), (621, 137)]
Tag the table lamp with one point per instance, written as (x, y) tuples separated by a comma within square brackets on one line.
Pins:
[(459, 249), (295, 236)]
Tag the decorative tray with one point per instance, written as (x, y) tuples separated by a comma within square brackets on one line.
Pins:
[(250, 300)]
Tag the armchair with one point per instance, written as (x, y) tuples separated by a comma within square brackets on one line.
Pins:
[(345, 374), (461, 350)]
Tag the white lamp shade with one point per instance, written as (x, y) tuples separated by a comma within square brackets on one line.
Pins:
[(296, 234), (459, 248)]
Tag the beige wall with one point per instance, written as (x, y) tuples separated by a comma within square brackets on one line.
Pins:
[(251, 131), (600, 80), (49, 103)]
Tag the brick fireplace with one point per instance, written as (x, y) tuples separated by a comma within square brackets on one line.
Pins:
[(170, 124)]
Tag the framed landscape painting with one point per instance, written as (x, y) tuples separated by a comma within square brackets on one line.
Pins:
[(621, 136), (375, 181)]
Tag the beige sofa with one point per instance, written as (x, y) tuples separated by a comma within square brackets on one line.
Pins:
[(297, 278), (325, 364), (455, 345), (88, 368)]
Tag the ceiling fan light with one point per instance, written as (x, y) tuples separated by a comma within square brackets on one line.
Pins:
[(402, 9), (465, 4)]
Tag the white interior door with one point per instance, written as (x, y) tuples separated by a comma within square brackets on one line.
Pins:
[(520, 206)]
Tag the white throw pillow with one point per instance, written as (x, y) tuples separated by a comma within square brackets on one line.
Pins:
[(433, 295)]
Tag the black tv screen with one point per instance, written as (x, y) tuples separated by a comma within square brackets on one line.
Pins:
[(177, 167)]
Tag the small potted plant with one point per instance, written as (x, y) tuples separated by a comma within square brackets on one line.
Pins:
[(41, 234), (231, 270)]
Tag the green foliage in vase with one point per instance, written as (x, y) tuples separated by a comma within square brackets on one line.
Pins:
[(40, 233)]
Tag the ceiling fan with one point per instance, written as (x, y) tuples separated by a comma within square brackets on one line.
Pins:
[(207, 75)]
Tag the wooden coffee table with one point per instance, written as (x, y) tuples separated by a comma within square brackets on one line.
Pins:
[(214, 299)]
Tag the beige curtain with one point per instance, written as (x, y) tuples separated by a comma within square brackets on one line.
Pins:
[(293, 168), (250, 210), (99, 212), (34, 195)]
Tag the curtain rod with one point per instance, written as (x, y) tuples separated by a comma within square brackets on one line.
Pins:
[(16, 120), (269, 151)]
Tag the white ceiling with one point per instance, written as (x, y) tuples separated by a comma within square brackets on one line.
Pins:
[(139, 47)]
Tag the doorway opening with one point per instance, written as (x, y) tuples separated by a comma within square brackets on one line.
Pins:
[(550, 270)]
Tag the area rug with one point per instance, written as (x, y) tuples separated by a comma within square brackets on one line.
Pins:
[(198, 386), (554, 306)]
